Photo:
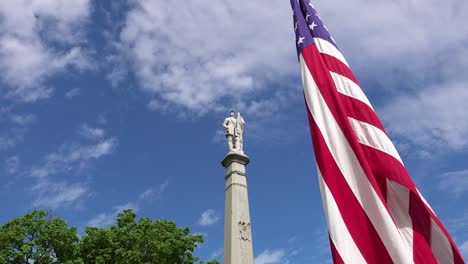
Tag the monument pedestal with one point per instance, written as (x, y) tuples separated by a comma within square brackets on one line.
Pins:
[(238, 247)]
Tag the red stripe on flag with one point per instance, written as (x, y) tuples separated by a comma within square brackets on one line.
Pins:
[(382, 183), (356, 220), (336, 256), (360, 111), (421, 232), (335, 65)]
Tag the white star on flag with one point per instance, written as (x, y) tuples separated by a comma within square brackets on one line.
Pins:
[(313, 25), (300, 41)]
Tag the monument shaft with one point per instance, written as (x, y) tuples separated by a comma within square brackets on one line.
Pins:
[(238, 247)]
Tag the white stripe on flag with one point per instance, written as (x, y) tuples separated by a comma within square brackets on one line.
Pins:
[(398, 200), (327, 48), (349, 88), (350, 168), (440, 245), (373, 137), (338, 231)]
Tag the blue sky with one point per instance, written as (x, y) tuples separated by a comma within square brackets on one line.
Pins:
[(107, 105)]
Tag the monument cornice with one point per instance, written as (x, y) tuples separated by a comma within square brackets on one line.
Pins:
[(235, 157)]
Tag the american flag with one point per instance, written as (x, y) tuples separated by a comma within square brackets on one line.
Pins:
[(374, 212)]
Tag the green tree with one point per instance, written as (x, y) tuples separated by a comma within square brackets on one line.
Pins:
[(37, 238), (145, 241)]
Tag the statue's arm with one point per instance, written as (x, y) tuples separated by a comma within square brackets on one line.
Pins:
[(225, 124)]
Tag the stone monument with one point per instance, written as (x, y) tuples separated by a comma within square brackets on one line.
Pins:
[(238, 247)]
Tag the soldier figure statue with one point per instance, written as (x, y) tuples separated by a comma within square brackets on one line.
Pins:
[(234, 132)]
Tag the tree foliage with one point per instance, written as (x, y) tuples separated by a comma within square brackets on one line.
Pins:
[(144, 241), (36, 238), (33, 238)]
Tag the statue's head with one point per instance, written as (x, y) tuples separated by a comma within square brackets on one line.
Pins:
[(231, 113)]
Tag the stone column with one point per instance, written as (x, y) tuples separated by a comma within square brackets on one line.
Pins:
[(238, 247)]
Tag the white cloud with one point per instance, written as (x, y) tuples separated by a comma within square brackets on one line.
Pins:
[(434, 119), (464, 249), (322, 242), (198, 55), (125, 206), (270, 257), (14, 126), (217, 60), (22, 120), (73, 157), (208, 218), (459, 225), (7, 142), (455, 182), (54, 195), (69, 159), (401, 52), (32, 32), (147, 195), (163, 187), (72, 93), (102, 220), (91, 132), (119, 66), (12, 164), (295, 252), (219, 136), (151, 194), (210, 54), (107, 219), (217, 254)]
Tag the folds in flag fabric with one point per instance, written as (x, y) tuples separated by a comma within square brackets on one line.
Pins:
[(374, 212)]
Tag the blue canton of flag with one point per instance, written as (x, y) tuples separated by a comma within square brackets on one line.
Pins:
[(309, 26)]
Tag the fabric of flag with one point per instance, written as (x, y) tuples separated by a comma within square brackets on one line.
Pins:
[(374, 212)]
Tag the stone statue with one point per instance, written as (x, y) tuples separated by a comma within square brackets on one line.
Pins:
[(234, 132), (230, 125)]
